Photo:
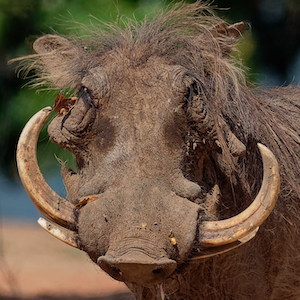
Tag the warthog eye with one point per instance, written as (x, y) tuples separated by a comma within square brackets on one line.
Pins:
[(191, 93), (85, 95)]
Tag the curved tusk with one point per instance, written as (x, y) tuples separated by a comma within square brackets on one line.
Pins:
[(67, 236), (51, 205), (212, 251), (218, 233)]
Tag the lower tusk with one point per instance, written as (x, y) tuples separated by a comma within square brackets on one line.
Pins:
[(212, 251), (67, 236)]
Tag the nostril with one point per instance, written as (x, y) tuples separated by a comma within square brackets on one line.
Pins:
[(157, 271), (113, 271), (116, 270)]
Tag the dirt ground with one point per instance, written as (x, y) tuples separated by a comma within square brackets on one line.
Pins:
[(34, 265)]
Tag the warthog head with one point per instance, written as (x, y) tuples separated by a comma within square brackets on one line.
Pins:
[(157, 155)]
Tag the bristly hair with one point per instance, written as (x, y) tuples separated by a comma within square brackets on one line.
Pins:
[(183, 34)]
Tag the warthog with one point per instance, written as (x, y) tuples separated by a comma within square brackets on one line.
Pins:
[(177, 160)]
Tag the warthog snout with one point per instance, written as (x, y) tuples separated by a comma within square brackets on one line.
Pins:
[(137, 267)]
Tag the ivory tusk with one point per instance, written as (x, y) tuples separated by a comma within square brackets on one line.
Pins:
[(67, 236), (218, 233), (51, 205)]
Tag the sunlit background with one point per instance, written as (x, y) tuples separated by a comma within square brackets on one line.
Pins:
[(270, 50)]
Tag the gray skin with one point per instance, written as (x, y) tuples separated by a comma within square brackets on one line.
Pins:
[(164, 137), (142, 193)]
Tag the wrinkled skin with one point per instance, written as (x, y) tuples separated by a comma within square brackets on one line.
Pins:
[(141, 130), (161, 145), (139, 138), (129, 141)]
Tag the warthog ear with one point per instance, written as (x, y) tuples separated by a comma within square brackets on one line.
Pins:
[(61, 59), (233, 31), (227, 35)]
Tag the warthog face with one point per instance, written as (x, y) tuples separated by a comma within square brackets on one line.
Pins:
[(149, 156)]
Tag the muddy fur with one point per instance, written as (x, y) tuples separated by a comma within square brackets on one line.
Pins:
[(218, 107)]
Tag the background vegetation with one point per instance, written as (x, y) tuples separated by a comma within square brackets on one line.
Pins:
[(271, 52)]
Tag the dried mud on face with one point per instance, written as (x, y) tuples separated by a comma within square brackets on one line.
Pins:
[(36, 266)]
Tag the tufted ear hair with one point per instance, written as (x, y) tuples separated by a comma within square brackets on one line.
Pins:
[(61, 60), (227, 35), (233, 31)]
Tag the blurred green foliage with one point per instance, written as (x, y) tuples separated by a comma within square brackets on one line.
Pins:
[(275, 38)]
